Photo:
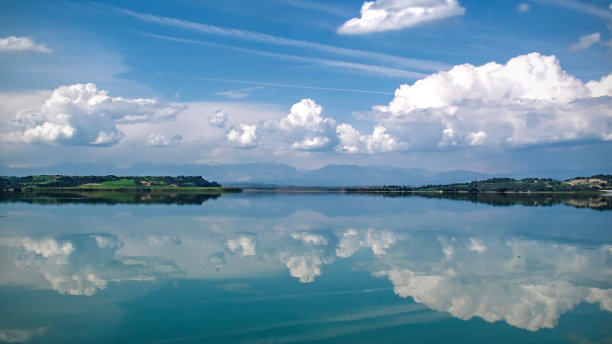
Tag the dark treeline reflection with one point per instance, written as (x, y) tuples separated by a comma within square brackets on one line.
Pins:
[(577, 200), (106, 197)]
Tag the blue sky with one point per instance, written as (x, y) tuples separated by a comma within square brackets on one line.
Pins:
[(308, 83)]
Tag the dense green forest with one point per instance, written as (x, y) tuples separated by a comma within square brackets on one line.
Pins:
[(104, 182), (578, 184)]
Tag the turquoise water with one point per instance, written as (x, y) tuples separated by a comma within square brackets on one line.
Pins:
[(287, 268)]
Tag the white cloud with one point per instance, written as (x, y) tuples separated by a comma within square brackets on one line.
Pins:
[(384, 15), (477, 138), (306, 264), (270, 39), (527, 284), (239, 94), (351, 141), (45, 247), (476, 245), (310, 238), (218, 120), (159, 140), (347, 65), (82, 264), (245, 245), (579, 6), (307, 125), (523, 7), (306, 115), (586, 41), (80, 114), (14, 44), (600, 88), (20, 335), (246, 139), (352, 240), (305, 268), (316, 143), (162, 240), (529, 100)]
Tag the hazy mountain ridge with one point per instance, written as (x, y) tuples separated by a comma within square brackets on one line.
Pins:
[(287, 175)]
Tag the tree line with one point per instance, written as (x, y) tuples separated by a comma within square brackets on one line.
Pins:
[(502, 185), (60, 181)]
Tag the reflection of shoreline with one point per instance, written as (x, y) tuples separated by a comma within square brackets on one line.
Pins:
[(109, 197), (594, 201)]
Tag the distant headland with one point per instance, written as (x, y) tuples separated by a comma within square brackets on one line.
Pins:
[(111, 183)]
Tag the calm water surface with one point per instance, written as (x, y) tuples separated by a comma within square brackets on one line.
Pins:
[(287, 268)]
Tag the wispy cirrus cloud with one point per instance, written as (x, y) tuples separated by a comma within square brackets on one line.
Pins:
[(325, 7), (295, 86), (580, 7), (239, 94), (367, 68), (399, 61)]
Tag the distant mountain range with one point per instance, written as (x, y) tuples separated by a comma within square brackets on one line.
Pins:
[(271, 174)]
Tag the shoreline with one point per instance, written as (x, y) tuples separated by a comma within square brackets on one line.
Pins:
[(296, 189)]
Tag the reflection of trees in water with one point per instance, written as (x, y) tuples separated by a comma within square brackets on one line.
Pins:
[(107, 197), (578, 200), (593, 201)]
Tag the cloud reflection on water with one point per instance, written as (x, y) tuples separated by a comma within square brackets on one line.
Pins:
[(458, 264), (82, 264)]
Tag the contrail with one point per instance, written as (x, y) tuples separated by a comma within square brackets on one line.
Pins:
[(405, 62), (380, 70), (293, 86)]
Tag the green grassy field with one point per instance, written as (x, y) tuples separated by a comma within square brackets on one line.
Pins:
[(138, 188)]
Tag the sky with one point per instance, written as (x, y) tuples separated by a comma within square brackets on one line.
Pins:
[(494, 86)]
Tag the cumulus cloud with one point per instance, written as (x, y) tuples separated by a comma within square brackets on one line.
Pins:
[(305, 262), (306, 268), (307, 125), (316, 143), (310, 238), (80, 114), (352, 240), (384, 15), (244, 245), (245, 139), (82, 264), (159, 140), (20, 335), (218, 120), (14, 44), (529, 100), (523, 7), (351, 141), (586, 41), (527, 284)]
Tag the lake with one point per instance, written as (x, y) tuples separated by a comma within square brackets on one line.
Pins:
[(269, 267)]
